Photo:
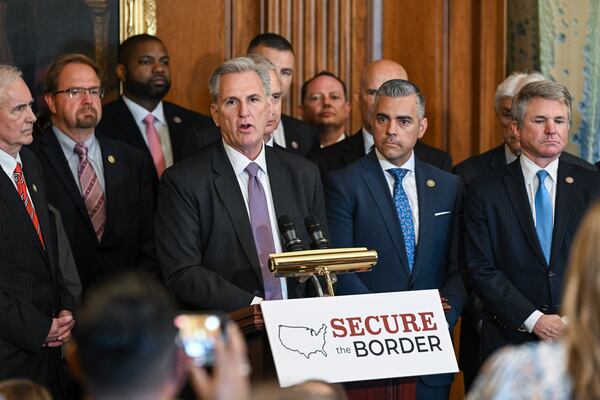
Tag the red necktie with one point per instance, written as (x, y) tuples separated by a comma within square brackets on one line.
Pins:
[(93, 197), (154, 145), (22, 190)]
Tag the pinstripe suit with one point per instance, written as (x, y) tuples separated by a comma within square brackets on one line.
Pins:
[(31, 288), (504, 257)]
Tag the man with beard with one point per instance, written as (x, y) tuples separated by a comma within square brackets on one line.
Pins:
[(102, 187), (140, 117)]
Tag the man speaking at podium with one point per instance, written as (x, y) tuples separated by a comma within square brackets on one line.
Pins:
[(402, 207), (217, 211)]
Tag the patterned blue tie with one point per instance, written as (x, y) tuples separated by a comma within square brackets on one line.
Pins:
[(404, 214), (543, 215)]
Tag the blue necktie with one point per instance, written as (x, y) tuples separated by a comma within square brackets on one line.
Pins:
[(543, 215), (404, 214)]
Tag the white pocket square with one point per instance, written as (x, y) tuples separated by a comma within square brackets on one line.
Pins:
[(441, 213)]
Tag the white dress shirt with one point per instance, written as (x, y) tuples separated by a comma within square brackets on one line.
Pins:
[(8, 164), (279, 135), (94, 155), (409, 184), (530, 170), (368, 140), (510, 157), (239, 162), (160, 123)]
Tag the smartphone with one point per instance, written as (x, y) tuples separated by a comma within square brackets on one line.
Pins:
[(197, 335)]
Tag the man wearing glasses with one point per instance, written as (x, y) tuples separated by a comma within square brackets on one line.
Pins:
[(101, 187)]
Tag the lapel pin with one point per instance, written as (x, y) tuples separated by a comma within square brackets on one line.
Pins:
[(111, 159), (295, 144), (569, 180), (177, 120), (34, 187), (430, 183)]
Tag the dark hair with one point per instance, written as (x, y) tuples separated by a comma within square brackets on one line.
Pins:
[(322, 73), (270, 40), (125, 337), (51, 81), (129, 44)]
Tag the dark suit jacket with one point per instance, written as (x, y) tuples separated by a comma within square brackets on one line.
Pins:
[(360, 212), (507, 266), (344, 153), (128, 239), (31, 286), (495, 159), (117, 123), (300, 137), (204, 239)]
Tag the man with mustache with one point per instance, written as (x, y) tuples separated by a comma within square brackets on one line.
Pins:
[(406, 209), (325, 105), (102, 187), (141, 118)]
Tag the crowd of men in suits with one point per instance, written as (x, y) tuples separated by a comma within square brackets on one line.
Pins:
[(194, 201)]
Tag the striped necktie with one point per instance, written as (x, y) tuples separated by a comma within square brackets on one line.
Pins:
[(22, 190), (93, 197)]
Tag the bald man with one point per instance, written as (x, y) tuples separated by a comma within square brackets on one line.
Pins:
[(356, 146)]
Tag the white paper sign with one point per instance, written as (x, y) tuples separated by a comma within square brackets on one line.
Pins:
[(361, 337)]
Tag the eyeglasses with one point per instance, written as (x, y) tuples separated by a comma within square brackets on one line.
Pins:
[(77, 92)]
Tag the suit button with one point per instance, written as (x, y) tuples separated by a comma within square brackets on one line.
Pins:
[(551, 274), (545, 308)]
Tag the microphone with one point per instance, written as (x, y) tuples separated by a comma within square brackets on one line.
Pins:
[(319, 241), (288, 230)]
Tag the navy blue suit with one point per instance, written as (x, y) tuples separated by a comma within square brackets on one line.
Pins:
[(360, 212), (508, 268)]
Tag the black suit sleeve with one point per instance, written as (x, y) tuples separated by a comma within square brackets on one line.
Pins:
[(498, 293), (180, 251), (147, 260)]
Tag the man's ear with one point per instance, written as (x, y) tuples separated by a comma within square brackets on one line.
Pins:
[(49, 98), (120, 70), (422, 127), (515, 128), (301, 111), (215, 113)]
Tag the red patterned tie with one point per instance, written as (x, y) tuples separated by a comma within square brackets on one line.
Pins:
[(154, 145), (22, 190), (93, 197)]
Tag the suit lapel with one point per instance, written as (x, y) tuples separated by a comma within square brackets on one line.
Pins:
[(227, 187), (426, 201), (374, 179), (562, 211), (515, 186), (131, 130), (112, 188), (498, 159), (53, 152)]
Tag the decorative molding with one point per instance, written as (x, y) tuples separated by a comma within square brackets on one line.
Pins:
[(135, 17)]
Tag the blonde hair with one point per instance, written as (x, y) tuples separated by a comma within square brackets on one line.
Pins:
[(23, 389), (580, 305)]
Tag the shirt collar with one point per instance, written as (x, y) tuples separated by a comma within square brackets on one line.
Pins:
[(368, 141), (68, 145), (270, 141), (239, 162), (139, 112), (530, 169), (385, 164), (8, 162), (510, 157)]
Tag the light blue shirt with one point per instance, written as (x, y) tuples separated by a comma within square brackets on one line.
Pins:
[(94, 155)]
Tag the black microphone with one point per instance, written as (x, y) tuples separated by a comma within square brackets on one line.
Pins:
[(288, 230), (319, 241)]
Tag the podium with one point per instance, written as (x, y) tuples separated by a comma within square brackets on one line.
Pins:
[(251, 323)]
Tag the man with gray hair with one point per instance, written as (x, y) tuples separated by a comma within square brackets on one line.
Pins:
[(510, 148), (218, 210), (408, 210), (521, 220), (35, 316)]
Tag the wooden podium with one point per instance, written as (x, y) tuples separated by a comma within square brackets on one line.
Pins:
[(252, 325)]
